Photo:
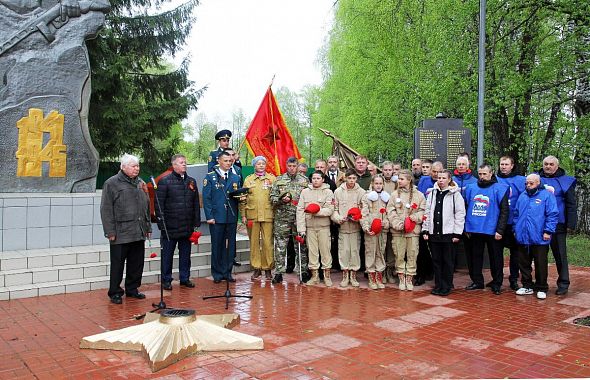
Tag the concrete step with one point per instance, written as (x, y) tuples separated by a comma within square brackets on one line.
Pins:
[(97, 282), (31, 273)]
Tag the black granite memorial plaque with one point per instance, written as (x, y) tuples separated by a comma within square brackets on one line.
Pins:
[(442, 139)]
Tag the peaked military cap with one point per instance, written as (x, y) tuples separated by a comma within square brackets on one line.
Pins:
[(223, 134)]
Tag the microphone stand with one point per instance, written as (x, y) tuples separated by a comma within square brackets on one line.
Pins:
[(227, 294), (161, 305)]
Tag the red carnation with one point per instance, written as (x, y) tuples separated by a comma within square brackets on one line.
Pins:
[(312, 208), (195, 237), (250, 223), (152, 255), (300, 239), (382, 210), (414, 206), (294, 202)]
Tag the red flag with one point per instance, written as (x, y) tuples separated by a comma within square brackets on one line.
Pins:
[(269, 136)]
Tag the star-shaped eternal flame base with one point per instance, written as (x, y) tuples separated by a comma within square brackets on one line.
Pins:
[(175, 334)]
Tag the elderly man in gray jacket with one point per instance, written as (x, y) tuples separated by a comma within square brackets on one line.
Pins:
[(124, 210)]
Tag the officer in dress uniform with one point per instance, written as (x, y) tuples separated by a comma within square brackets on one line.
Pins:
[(223, 138), (221, 213)]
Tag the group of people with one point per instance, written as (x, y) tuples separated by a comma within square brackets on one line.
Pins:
[(398, 226)]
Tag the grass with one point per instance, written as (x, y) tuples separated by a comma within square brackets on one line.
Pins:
[(578, 251)]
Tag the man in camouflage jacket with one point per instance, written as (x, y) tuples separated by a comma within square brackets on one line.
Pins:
[(284, 196)]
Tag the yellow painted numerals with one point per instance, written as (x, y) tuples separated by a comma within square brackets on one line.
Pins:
[(31, 153)]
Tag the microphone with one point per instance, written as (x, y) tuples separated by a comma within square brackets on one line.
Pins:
[(153, 181)]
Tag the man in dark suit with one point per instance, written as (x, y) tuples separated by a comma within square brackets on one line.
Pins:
[(221, 213), (178, 216)]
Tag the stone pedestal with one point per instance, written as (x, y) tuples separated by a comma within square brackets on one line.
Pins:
[(49, 220)]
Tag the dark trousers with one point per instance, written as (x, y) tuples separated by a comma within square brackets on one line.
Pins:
[(334, 231), (424, 263), (538, 254), (134, 254), (290, 255), (559, 249), (443, 264), (475, 259), (509, 241), (223, 249), (184, 258)]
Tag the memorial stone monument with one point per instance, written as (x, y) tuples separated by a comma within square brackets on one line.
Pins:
[(44, 95), (48, 165), (442, 139)]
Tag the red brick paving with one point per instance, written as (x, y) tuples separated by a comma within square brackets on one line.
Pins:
[(316, 333)]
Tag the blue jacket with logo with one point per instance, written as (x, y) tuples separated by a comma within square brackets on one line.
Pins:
[(487, 207), (425, 183), (516, 184), (564, 189), (464, 180), (534, 215)]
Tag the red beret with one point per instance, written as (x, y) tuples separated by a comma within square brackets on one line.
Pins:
[(409, 225), (312, 208), (376, 226)]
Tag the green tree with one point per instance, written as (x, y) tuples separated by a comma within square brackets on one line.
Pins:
[(137, 97)]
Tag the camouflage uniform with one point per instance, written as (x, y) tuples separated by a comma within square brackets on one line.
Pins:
[(284, 219)]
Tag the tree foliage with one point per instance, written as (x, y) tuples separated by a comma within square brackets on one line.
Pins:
[(389, 64), (137, 98)]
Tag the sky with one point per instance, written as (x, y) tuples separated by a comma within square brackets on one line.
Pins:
[(236, 47)]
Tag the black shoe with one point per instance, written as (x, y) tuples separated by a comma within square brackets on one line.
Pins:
[(514, 285), (237, 264), (167, 285), (137, 295), (278, 278), (444, 293), (217, 280), (473, 286), (561, 291), (436, 292), (187, 283), (496, 291), (230, 279), (419, 281), (305, 276), (117, 300), (489, 284)]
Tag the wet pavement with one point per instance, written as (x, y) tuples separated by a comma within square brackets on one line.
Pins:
[(314, 332)]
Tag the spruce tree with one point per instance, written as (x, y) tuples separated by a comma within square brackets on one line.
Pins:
[(137, 97)]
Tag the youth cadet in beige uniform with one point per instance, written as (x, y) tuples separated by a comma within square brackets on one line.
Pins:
[(313, 222), (346, 197)]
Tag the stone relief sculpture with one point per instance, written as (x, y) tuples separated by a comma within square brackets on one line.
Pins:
[(45, 144)]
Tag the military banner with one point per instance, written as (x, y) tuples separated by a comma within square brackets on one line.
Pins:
[(269, 136)]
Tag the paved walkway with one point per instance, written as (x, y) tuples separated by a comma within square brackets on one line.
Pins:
[(315, 332)]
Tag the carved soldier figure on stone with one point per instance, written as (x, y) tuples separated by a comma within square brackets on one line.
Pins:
[(284, 196)]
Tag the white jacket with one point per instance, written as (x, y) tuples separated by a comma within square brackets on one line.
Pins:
[(453, 213)]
